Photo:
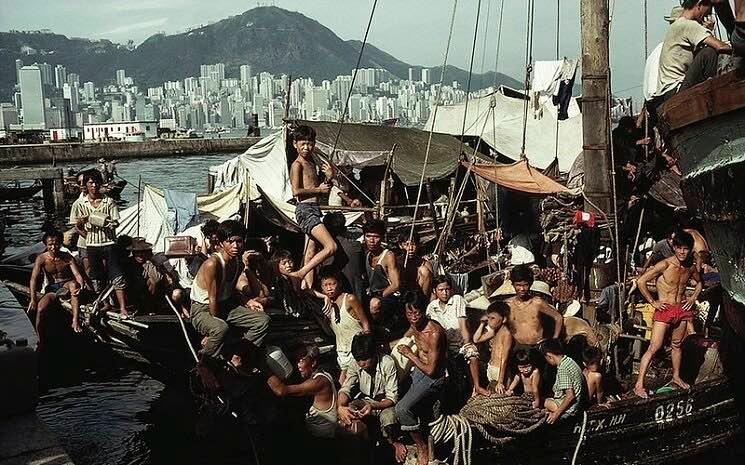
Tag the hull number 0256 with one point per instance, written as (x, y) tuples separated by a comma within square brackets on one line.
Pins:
[(673, 410)]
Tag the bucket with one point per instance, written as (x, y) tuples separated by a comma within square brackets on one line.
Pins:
[(278, 362), (98, 219)]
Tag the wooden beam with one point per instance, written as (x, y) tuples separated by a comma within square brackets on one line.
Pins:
[(29, 174)]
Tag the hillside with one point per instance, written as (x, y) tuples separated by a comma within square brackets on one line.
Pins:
[(267, 38)]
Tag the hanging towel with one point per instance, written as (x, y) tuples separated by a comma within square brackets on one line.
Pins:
[(184, 207)]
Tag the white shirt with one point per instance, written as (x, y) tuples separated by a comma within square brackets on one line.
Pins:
[(449, 318), (652, 72)]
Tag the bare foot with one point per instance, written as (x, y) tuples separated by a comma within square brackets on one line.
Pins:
[(124, 314), (400, 451), (481, 391), (681, 383), (76, 326), (641, 392)]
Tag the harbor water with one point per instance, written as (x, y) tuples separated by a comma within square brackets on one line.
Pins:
[(104, 409)]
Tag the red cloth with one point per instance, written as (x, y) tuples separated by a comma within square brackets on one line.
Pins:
[(672, 315), (587, 218)]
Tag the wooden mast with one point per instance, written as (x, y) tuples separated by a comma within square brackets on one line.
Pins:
[(595, 126)]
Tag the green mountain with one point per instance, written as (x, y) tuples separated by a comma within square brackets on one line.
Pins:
[(267, 38)]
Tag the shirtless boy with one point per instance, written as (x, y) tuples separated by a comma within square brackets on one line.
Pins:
[(526, 311), (428, 374), (347, 319), (495, 329), (307, 189), (672, 308), (416, 271), (62, 272)]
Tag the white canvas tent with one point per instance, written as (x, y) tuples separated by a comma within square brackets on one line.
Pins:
[(503, 127)]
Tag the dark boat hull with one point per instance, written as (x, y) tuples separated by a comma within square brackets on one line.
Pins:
[(19, 193)]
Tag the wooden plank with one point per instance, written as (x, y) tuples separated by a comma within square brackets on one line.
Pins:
[(713, 97), (29, 174)]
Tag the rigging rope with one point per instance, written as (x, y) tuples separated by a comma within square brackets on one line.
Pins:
[(494, 127), (558, 42), (528, 70), (432, 128), (453, 205)]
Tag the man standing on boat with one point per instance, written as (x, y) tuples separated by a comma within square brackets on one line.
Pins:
[(526, 311), (428, 374), (672, 308), (216, 291), (382, 277)]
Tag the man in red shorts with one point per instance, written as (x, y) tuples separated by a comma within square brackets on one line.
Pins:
[(672, 308)]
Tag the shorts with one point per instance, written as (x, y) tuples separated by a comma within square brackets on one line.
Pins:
[(57, 288), (82, 253), (308, 216), (469, 351), (492, 373), (344, 358), (673, 315)]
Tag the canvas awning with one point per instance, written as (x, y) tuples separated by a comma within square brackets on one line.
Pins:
[(498, 119), (518, 176), (361, 145)]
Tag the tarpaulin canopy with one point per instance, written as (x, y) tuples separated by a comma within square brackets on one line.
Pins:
[(502, 128), (362, 145), (519, 176)]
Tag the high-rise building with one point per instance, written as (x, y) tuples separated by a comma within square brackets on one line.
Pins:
[(19, 65), (73, 78), (47, 73), (413, 75), (89, 91), (32, 95), (121, 77), (245, 75), (426, 76), (71, 93), (60, 76)]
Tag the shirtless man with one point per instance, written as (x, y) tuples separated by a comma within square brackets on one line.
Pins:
[(416, 271), (701, 249), (526, 311), (62, 272), (672, 308), (428, 374), (382, 273), (306, 188), (495, 329), (321, 419)]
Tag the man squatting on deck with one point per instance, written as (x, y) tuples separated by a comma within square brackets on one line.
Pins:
[(673, 311)]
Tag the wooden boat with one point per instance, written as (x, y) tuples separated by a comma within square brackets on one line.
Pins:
[(160, 341), (661, 429), (19, 193)]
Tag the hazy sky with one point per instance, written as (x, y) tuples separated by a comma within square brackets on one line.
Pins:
[(414, 31)]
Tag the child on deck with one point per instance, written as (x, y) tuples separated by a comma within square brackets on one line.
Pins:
[(568, 385), (347, 319), (494, 330), (529, 375), (592, 359), (306, 188)]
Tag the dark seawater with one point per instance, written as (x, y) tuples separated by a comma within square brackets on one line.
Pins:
[(104, 409)]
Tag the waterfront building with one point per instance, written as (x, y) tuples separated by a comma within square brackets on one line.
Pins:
[(426, 76), (120, 130), (71, 93), (32, 96), (121, 77), (8, 116)]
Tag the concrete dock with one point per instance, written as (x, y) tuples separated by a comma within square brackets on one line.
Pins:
[(26, 154), (26, 440)]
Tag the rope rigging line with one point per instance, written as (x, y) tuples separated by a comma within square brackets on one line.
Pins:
[(453, 206), (558, 43), (528, 70), (494, 124), (432, 128)]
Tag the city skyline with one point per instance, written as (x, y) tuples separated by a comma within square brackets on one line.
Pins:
[(390, 31)]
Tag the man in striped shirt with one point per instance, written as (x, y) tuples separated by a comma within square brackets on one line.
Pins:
[(96, 217)]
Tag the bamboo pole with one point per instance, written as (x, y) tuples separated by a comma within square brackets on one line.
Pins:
[(139, 200)]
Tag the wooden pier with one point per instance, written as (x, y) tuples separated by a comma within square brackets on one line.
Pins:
[(52, 181)]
